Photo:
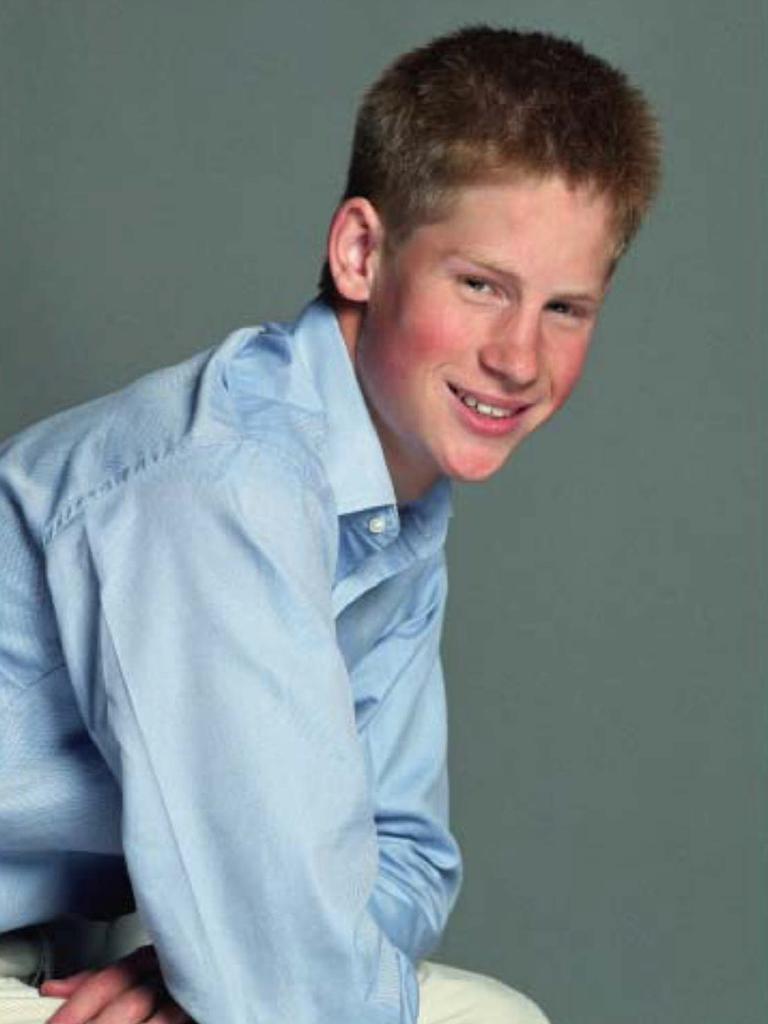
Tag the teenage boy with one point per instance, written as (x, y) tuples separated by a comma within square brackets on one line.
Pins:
[(223, 587)]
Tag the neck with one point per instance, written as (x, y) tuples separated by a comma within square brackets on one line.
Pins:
[(410, 482), (350, 318)]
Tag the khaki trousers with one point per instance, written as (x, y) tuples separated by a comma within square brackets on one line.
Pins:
[(446, 995)]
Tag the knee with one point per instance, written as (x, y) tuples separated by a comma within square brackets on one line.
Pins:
[(499, 1004), (463, 997)]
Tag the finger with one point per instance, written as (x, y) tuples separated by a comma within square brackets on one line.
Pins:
[(141, 961), (96, 992), (62, 988), (134, 1006)]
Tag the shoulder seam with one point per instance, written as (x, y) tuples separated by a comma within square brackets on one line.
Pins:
[(75, 506)]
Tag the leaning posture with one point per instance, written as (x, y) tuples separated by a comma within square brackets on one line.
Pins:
[(223, 587)]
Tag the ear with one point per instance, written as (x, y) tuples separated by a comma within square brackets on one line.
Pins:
[(354, 245)]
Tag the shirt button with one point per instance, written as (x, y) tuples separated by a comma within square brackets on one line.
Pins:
[(377, 524)]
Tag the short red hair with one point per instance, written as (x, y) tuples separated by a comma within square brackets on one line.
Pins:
[(482, 104)]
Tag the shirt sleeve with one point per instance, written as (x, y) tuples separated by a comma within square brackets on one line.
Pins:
[(205, 656), (405, 741)]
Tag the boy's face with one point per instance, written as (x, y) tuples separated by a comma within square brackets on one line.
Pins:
[(476, 328)]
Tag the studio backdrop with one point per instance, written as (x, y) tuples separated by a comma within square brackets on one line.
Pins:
[(167, 173)]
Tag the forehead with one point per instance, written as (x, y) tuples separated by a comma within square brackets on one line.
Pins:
[(544, 226)]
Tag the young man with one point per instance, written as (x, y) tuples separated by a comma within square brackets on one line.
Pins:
[(223, 587)]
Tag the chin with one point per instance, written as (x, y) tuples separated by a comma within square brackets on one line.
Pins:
[(473, 471)]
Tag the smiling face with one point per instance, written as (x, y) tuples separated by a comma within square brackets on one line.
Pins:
[(475, 329)]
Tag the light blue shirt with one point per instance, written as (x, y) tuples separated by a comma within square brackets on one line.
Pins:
[(219, 660)]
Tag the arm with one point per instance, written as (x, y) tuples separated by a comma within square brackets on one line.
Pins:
[(223, 706), (405, 741)]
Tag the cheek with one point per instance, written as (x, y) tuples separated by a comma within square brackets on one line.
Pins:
[(426, 334), (566, 369), (404, 350), (384, 371)]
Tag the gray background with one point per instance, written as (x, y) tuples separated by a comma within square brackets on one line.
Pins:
[(167, 170)]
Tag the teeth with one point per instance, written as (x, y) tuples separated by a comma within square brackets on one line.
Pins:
[(482, 407)]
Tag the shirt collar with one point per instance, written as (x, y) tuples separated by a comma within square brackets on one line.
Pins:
[(307, 364), (355, 463), (357, 470), (432, 512)]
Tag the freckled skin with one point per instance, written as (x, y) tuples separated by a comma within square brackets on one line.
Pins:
[(499, 299)]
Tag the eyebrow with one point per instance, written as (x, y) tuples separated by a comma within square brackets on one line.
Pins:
[(511, 275)]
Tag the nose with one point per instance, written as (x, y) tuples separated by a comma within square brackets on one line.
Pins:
[(514, 351)]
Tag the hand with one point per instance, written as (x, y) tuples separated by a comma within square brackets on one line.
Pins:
[(130, 991)]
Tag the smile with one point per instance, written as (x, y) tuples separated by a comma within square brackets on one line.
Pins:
[(496, 412)]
